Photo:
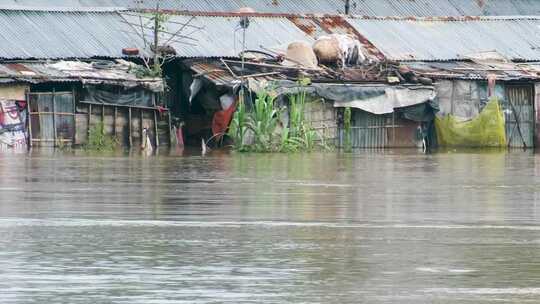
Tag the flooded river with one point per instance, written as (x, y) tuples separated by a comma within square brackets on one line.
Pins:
[(369, 227)]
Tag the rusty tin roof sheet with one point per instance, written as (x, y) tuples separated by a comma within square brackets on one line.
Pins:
[(58, 35), (439, 39)]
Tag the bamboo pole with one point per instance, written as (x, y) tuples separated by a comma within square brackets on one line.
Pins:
[(29, 118), (156, 129), (114, 120), (54, 115), (129, 128)]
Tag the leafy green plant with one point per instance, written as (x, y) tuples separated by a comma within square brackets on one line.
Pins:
[(146, 72), (263, 121), (239, 126), (270, 134), (98, 140)]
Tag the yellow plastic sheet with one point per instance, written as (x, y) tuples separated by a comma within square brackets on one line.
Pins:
[(485, 130)]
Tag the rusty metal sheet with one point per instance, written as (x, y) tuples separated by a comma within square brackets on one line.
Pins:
[(59, 35), (439, 39)]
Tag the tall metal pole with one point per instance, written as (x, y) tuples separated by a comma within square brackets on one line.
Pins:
[(156, 37), (244, 23)]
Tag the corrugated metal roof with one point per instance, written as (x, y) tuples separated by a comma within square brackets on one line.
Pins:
[(358, 7), (54, 35), (214, 73), (505, 71), (75, 71), (221, 36), (443, 39)]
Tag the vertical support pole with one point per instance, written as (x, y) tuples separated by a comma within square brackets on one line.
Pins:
[(114, 120), (54, 116), (170, 128), (394, 127), (74, 115), (103, 115), (141, 124), (129, 128), (89, 117), (452, 96), (29, 118), (156, 129), (536, 111)]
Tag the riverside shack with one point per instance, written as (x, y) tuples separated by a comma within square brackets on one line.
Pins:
[(62, 100), (214, 45), (66, 80), (471, 59)]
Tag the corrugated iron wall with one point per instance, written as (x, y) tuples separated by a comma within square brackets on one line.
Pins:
[(380, 131), (519, 115)]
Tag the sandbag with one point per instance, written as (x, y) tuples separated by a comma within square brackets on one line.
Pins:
[(339, 48), (327, 50), (301, 53)]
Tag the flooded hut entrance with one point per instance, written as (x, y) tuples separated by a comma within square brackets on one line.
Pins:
[(52, 118), (519, 115)]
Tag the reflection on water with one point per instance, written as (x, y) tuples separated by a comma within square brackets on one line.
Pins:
[(375, 227)]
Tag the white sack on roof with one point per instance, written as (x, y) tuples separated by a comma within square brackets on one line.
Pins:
[(106, 72), (301, 53), (71, 66), (343, 48), (393, 97)]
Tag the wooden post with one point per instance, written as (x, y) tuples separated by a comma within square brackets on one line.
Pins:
[(129, 128), (156, 129), (54, 115), (394, 127), (170, 128), (141, 125), (114, 119), (103, 116), (74, 116), (29, 118), (89, 117)]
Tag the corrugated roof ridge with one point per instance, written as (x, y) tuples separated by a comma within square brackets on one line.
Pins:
[(237, 14), (319, 15), (61, 9), (444, 18)]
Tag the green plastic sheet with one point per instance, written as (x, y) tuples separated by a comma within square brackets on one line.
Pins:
[(485, 130)]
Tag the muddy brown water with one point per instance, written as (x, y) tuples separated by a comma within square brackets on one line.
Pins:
[(368, 227)]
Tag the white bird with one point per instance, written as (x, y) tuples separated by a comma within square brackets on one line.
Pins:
[(146, 145), (204, 147)]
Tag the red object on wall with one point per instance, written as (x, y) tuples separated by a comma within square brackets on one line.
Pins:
[(221, 121)]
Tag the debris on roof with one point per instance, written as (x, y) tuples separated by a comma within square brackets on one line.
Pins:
[(477, 71), (96, 72)]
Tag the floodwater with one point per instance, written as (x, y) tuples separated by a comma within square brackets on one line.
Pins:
[(369, 227)]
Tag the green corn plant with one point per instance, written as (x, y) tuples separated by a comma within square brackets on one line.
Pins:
[(238, 127), (264, 122)]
